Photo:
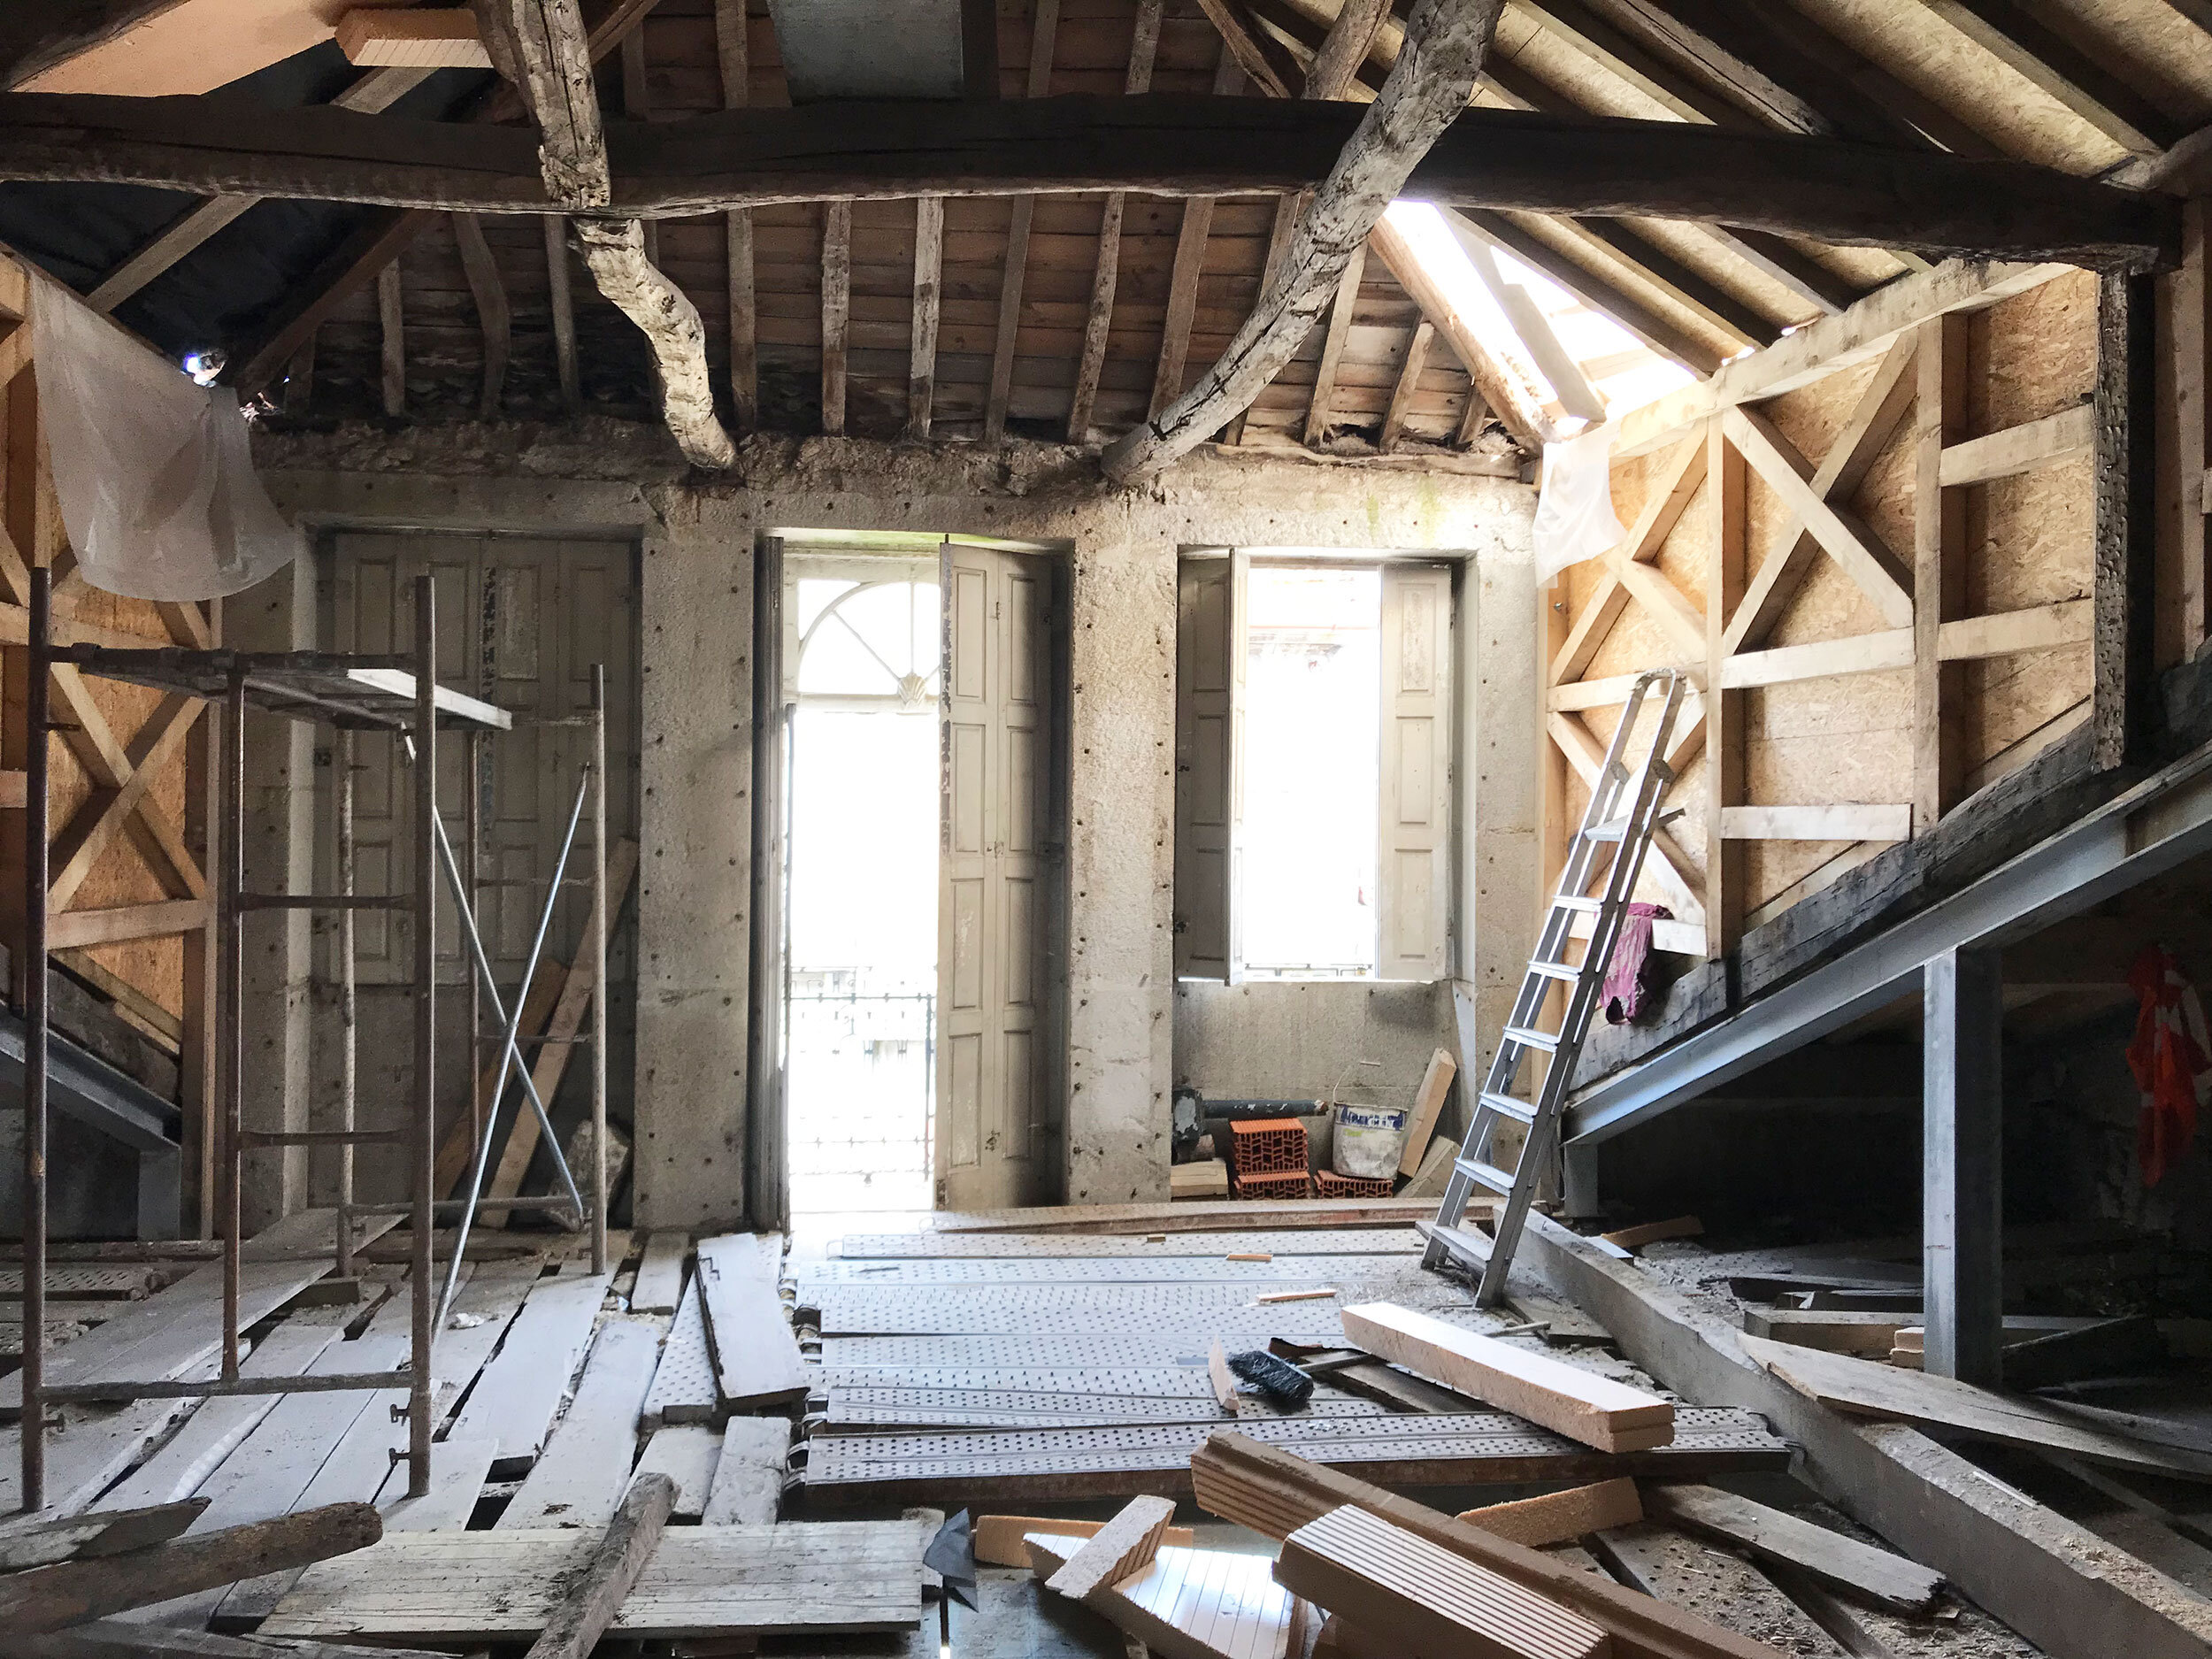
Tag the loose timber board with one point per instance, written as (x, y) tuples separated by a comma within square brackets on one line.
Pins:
[(660, 1274), (1866, 1388), (174, 1330), (515, 1398), (1472, 1449), (756, 1358), (468, 1587), (215, 1430), (687, 1453), (749, 1475), (579, 1478), (1194, 1603), (1401, 1240)]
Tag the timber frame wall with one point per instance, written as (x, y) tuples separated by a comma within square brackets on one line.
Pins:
[(1905, 551), (131, 775)]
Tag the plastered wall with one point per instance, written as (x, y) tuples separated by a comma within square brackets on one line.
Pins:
[(698, 532)]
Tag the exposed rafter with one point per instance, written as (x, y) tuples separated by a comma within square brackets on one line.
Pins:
[(1428, 87)]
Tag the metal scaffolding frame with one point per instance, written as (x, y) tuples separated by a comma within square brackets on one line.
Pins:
[(399, 694)]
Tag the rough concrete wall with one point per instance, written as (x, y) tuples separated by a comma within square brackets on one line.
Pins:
[(699, 532), (280, 857), (1276, 1041)]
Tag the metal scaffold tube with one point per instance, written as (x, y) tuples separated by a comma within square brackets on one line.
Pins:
[(37, 788), (425, 837)]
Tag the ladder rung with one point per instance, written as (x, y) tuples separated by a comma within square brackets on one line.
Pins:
[(1611, 830), (1587, 907), (1484, 1174), (1565, 972), (1530, 1038), (1505, 1106)]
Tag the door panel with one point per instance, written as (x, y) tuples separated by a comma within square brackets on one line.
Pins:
[(991, 962)]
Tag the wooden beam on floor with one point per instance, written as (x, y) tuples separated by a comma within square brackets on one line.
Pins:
[(2059, 1586), (575, 1624), (1106, 275)]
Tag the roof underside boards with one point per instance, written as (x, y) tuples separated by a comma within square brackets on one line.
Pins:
[(2095, 92)]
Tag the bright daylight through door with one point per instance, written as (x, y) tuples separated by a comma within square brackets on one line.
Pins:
[(1312, 740), (863, 907)]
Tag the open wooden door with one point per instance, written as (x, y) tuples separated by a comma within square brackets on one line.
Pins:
[(993, 1029)]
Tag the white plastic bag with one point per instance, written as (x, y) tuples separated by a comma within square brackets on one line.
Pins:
[(1574, 507), (154, 473)]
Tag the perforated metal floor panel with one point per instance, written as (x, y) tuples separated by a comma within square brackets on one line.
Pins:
[(1075, 1270), (1006, 1246), (991, 1310), (1469, 1450)]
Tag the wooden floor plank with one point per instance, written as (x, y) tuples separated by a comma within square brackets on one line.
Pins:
[(579, 1478), (497, 1586), (270, 1470), (176, 1329), (520, 1389), (660, 1275), (214, 1431), (748, 1476), (687, 1453), (1731, 1593)]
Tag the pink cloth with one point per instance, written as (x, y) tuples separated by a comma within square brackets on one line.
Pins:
[(1624, 983)]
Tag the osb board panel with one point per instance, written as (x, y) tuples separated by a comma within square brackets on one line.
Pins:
[(1833, 740), (1918, 48)]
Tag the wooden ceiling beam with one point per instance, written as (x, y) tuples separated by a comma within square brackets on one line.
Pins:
[(1428, 88), (837, 289), (1416, 360), (1342, 306), (1349, 40), (544, 44), (929, 263), (1598, 39), (1171, 144), (1265, 61), (381, 237)]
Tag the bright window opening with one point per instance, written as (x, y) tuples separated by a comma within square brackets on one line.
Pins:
[(1311, 756)]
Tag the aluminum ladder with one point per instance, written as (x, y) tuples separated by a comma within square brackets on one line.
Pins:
[(1616, 833)]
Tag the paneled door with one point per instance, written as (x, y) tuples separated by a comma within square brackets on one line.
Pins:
[(994, 1032)]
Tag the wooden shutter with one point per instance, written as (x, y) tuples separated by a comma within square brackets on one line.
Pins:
[(1416, 773), (991, 1056), (1208, 672)]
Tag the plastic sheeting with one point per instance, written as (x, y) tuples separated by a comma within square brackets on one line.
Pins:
[(154, 473), (1574, 505)]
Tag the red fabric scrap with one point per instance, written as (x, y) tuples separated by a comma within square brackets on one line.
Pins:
[(2168, 1060), (1627, 976)]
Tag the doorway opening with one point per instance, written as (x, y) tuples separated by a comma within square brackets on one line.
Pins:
[(863, 637), (913, 806)]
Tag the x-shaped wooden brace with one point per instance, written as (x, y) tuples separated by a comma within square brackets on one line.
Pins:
[(1630, 574), (121, 775), (1817, 520)]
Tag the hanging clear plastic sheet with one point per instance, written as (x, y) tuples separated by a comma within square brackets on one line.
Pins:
[(1574, 505), (154, 473)]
